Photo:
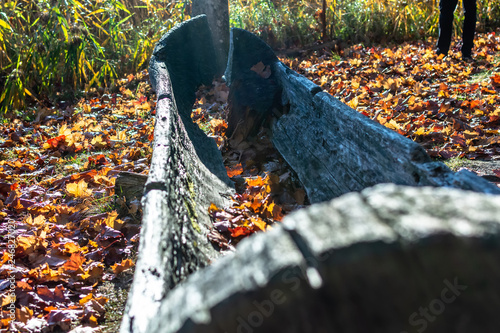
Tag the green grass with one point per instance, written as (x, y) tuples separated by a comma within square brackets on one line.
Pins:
[(455, 163), (287, 23)]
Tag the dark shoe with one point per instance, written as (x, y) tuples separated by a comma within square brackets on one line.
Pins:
[(439, 51)]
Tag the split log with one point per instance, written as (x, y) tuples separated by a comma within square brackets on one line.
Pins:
[(388, 259), (368, 261), (332, 148), (185, 177)]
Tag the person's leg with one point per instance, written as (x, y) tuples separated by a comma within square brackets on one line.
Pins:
[(469, 27), (446, 10)]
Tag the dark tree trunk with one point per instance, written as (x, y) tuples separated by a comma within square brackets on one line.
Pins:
[(323, 21), (217, 12)]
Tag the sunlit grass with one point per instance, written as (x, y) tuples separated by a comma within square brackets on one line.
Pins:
[(50, 48), (287, 23)]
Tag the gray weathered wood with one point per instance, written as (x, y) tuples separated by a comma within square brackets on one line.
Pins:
[(332, 148), (376, 261), (130, 185), (368, 261), (185, 177)]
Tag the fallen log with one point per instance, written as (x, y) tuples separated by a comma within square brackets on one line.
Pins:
[(388, 259), (367, 261), (185, 177), (332, 148)]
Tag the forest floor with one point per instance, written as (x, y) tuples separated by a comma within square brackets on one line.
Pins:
[(75, 243)]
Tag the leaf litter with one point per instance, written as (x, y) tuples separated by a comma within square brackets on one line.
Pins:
[(58, 211), (451, 107)]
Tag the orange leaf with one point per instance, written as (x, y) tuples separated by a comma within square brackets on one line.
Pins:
[(240, 231), (495, 80), (75, 262), (255, 182), (54, 142), (234, 171), (218, 126), (97, 160), (125, 264)]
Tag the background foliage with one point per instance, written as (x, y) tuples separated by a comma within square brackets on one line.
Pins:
[(52, 49), (285, 23)]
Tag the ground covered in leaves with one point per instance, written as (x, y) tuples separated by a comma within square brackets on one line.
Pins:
[(62, 234), (449, 106), (68, 243)]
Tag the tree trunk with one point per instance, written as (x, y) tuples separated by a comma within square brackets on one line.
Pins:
[(388, 259), (323, 21), (217, 12)]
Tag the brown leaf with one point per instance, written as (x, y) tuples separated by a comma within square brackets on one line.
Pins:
[(262, 70)]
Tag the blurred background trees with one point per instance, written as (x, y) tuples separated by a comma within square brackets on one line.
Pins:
[(52, 50)]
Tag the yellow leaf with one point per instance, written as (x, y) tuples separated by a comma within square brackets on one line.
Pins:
[(96, 140), (64, 130), (420, 131), (79, 190), (86, 299), (5, 25), (259, 224), (353, 103), (213, 208), (35, 222), (392, 124), (71, 247), (112, 221)]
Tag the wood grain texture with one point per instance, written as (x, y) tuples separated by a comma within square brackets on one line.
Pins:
[(186, 176), (364, 262)]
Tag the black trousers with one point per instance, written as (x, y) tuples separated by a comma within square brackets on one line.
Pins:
[(447, 8)]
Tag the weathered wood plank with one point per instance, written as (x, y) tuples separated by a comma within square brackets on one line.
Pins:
[(376, 261), (130, 185)]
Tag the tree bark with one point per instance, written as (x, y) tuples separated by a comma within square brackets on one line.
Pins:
[(217, 12), (374, 261)]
